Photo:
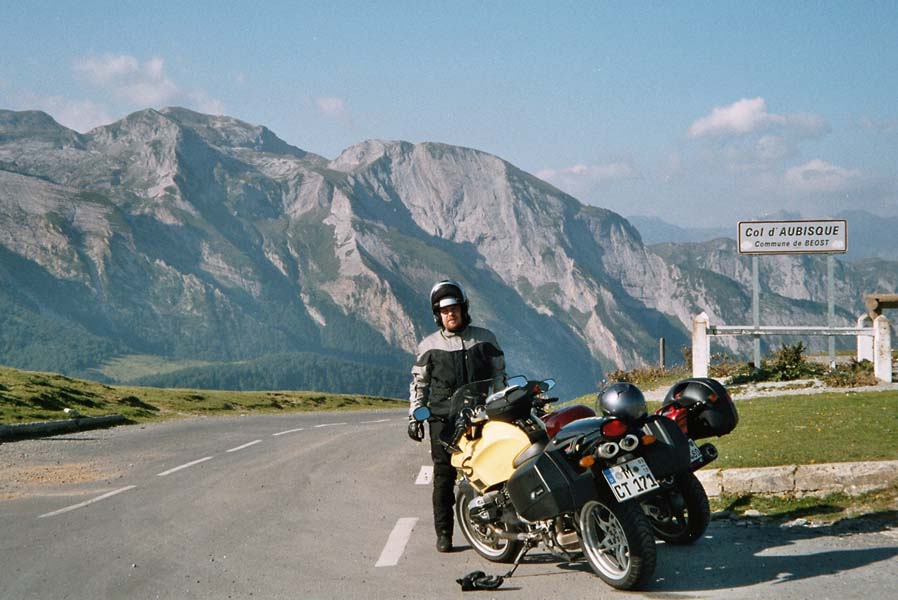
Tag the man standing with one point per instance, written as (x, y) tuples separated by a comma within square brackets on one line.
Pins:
[(456, 354)]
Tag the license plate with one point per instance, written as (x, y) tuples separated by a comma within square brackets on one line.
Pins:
[(630, 479), (695, 455)]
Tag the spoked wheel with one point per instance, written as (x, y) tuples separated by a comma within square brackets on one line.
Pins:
[(618, 543), (682, 515), (484, 541)]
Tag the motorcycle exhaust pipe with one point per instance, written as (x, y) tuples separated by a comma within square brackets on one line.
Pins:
[(608, 450), (709, 455), (510, 535), (709, 452), (629, 443)]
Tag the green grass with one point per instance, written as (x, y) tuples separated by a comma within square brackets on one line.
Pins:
[(827, 509), (806, 429), (135, 366), (783, 430), (814, 428), (29, 396)]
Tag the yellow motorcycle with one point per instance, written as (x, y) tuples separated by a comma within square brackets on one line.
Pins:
[(572, 493)]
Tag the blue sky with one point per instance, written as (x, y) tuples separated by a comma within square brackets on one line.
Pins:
[(697, 113)]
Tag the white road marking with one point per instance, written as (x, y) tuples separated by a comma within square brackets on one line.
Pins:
[(425, 475), (399, 537), (86, 502), (253, 443), (329, 424), (377, 421), (286, 432), (184, 466)]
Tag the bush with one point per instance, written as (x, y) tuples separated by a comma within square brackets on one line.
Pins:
[(851, 374), (723, 366), (649, 378), (786, 364)]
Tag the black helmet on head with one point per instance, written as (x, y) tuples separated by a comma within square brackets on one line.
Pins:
[(622, 400), (448, 293)]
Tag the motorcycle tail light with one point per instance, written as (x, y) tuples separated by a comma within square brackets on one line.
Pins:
[(648, 440), (587, 461), (614, 428)]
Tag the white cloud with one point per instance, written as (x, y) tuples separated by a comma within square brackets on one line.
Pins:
[(820, 176), (127, 79), (887, 127), (133, 85), (332, 107), (206, 104), (749, 116), (590, 174)]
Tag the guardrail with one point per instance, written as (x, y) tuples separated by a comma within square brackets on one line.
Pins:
[(873, 343)]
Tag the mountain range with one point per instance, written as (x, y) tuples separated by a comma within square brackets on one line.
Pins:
[(222, 256), (869, 235)]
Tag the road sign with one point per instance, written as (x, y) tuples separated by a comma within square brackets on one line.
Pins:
[(793, 237)]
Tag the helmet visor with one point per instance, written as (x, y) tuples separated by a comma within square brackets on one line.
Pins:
[(447, 301)]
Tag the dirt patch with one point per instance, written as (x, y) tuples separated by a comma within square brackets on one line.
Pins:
[(20, 481)]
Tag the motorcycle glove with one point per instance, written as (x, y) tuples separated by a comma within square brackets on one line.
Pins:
[(478, 580), (416, 430)]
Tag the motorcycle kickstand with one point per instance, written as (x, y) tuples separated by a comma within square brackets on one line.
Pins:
[(528, 545)]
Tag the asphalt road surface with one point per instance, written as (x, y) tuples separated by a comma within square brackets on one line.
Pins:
[(334, 505)]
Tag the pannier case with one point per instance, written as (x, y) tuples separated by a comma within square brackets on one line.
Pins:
[(547, 486), (669, 453), (711, 411)]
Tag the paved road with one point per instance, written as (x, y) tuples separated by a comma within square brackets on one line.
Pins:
[(326, 505)]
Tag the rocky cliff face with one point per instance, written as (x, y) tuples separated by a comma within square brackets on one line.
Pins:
[(181, 235)]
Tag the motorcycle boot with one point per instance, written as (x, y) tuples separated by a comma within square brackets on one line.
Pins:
[(444, 541)]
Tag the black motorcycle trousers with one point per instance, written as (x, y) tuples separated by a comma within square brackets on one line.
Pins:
[(443, 481)]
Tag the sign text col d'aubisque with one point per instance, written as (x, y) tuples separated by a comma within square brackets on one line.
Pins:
[(788, 237)]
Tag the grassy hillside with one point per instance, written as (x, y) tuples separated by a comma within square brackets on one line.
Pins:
[(27, 396)]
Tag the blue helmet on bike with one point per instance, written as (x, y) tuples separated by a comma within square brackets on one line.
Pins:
[(622, 400)]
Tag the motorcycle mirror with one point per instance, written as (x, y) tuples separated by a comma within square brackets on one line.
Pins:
[(422, 413), (517, 380), (547, 385)]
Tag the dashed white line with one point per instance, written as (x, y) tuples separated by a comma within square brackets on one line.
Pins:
[(329, 424), (286, 432), (184, 466), (425, 475), (253, 443), (399, 537), (86, 502)]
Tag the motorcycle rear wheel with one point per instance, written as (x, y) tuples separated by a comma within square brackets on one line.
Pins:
[(617, 541), (481, 538), (686, 525)]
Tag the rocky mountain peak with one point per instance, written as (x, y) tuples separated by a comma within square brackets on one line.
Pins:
[(35, 126), (185, 235)]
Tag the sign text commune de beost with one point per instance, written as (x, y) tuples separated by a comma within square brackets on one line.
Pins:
[(788, 237)]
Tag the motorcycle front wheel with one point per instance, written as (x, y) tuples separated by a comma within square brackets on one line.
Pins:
[(484, 541), (618, 543), (686, 515)]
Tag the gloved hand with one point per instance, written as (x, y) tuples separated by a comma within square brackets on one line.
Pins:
[(416, 430)]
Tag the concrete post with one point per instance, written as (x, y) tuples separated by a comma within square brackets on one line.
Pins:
[(864, 342), (882, 349), (701, 345)]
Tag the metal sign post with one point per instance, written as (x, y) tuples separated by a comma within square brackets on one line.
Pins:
[(793, 237)]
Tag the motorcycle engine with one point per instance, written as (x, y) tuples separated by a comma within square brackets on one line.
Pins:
[(486, 508)]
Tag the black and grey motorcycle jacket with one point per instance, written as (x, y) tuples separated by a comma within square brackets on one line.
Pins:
[(446, 360)]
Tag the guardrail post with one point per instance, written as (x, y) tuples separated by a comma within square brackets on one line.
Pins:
[(882, 349), (701, 345), (864, 342)]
